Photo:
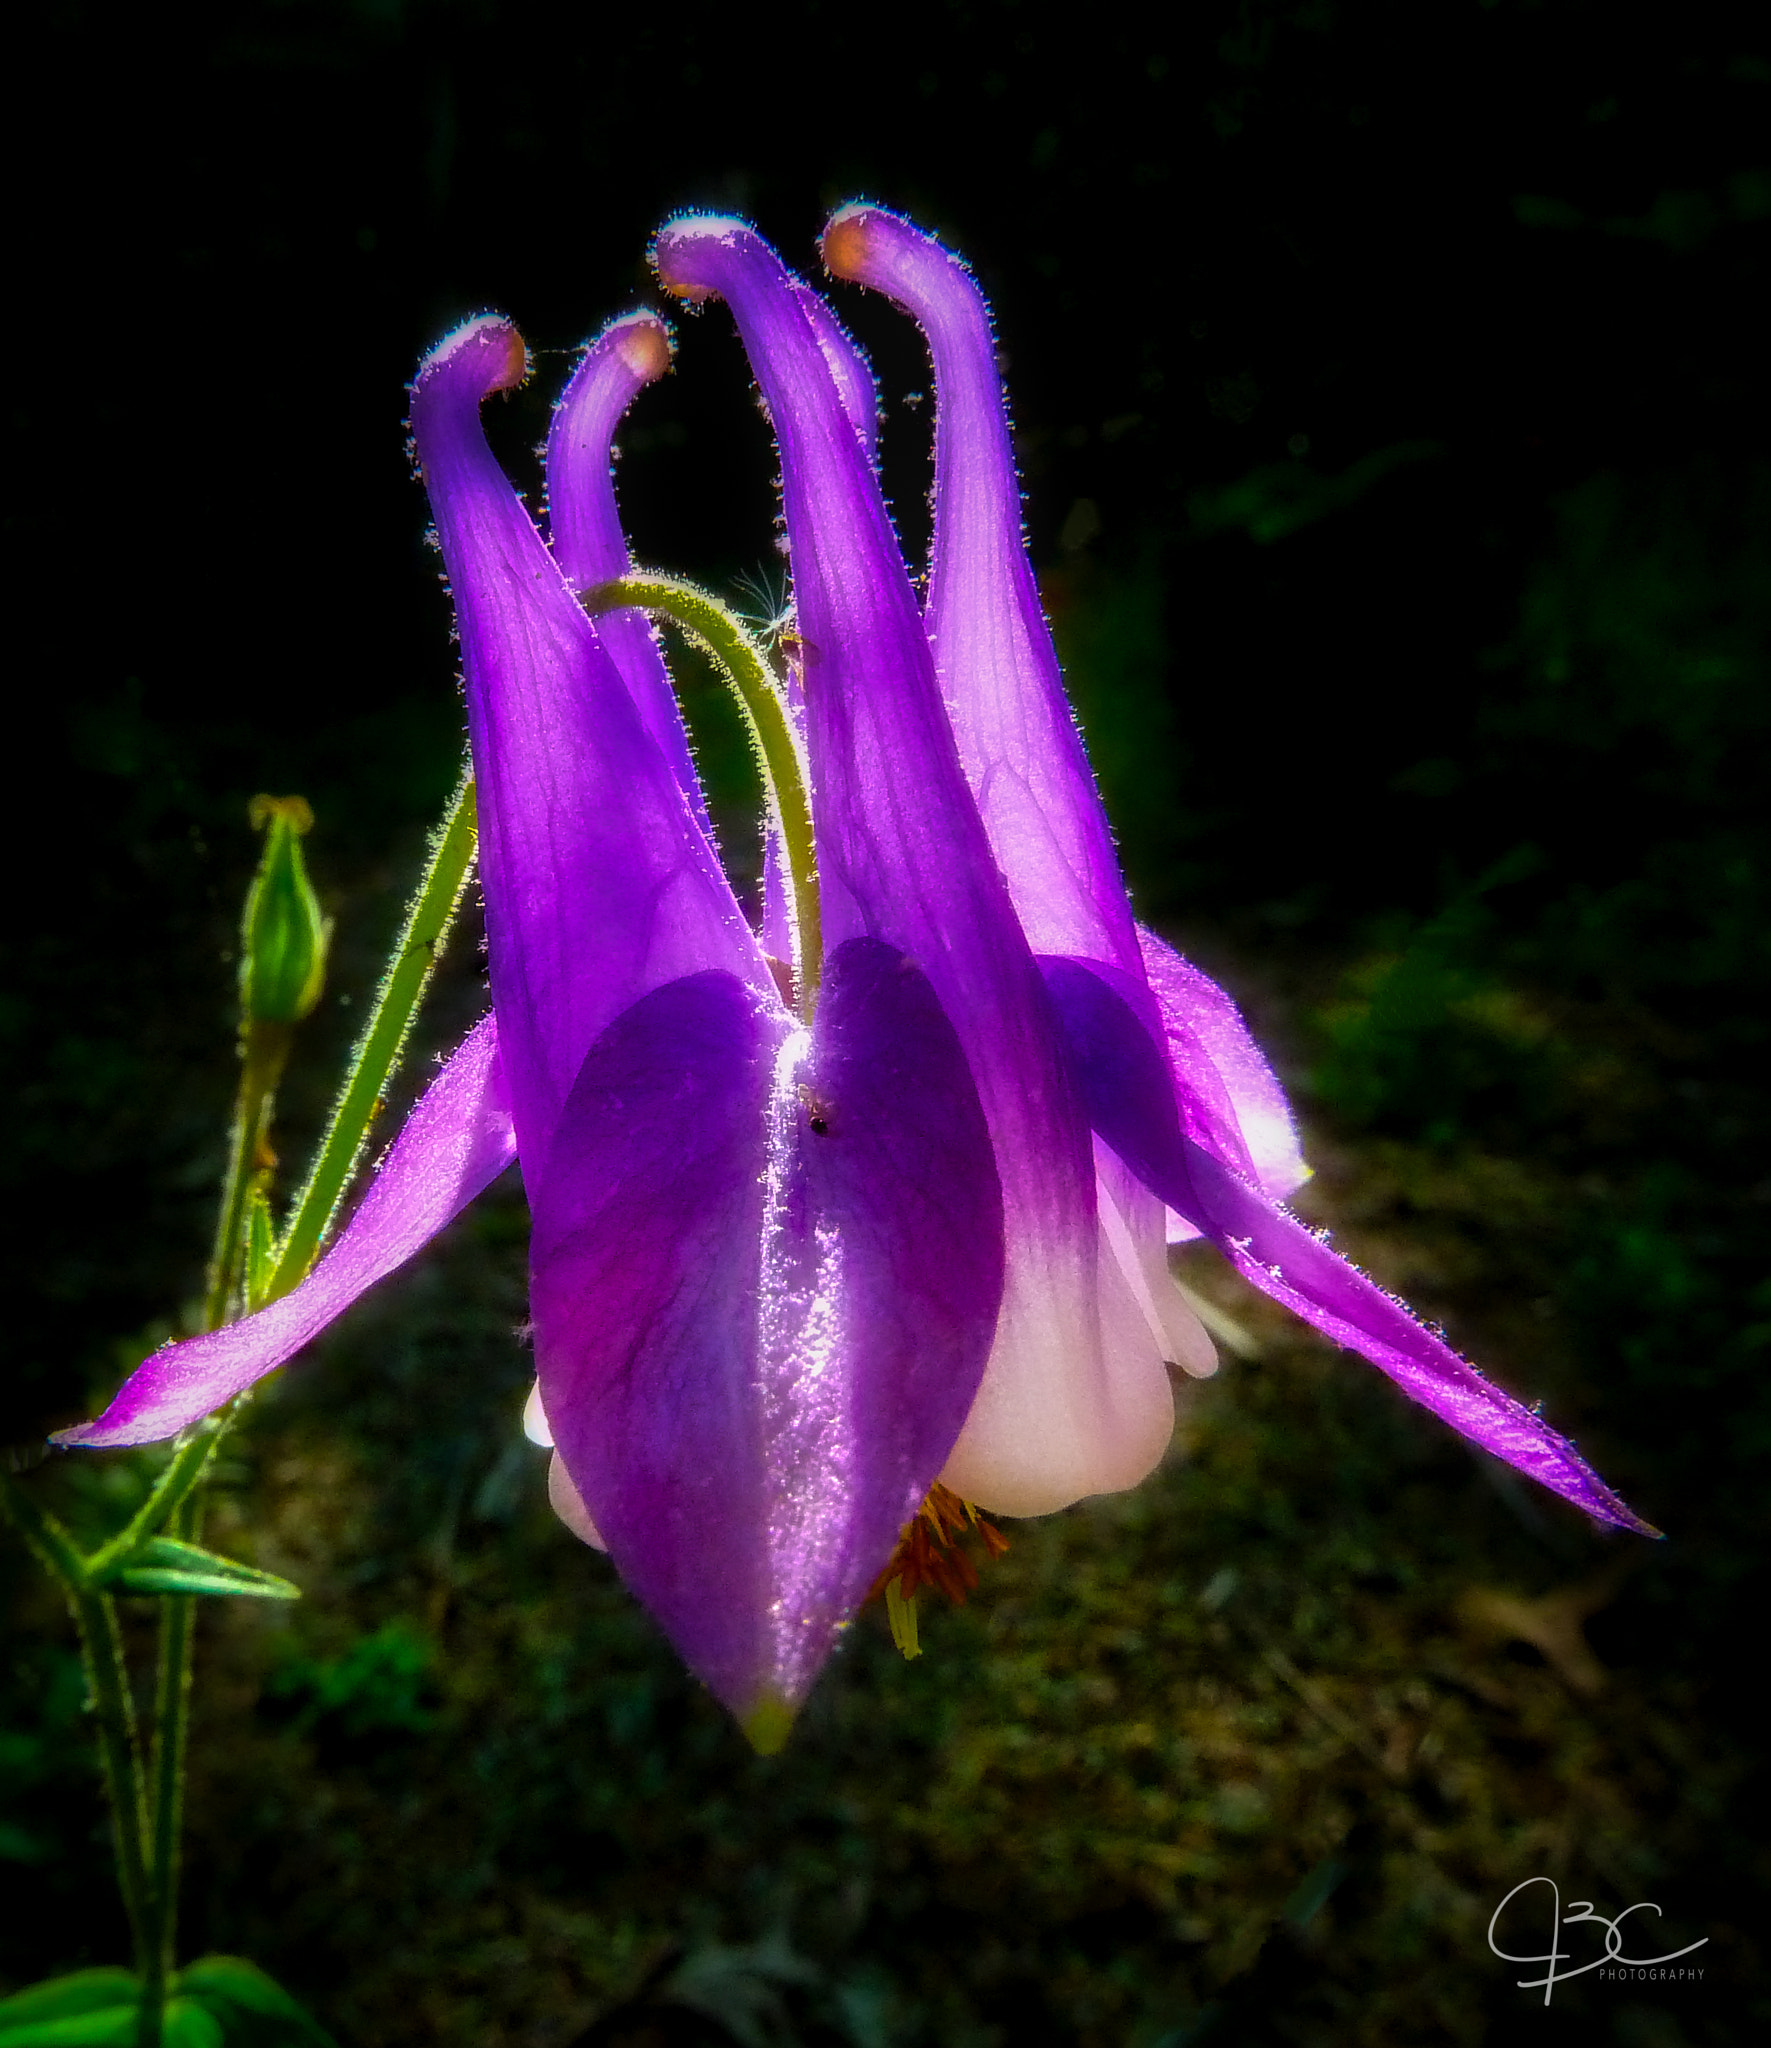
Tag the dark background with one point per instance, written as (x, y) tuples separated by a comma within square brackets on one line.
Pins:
[(1390, 385)]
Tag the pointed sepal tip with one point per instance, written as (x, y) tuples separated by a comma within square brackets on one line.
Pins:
[(769, 1723)]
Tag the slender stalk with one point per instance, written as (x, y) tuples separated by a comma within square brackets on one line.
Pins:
[(264, 1053), (378, 1050), (175, 1505), (780, 758), (172, 1698), (176, 1502), (148, 1837), (107, 1678)]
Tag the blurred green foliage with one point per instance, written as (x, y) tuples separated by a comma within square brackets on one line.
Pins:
[(377, 1686), (1281, 497)]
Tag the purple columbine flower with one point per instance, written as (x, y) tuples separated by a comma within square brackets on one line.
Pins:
[(792, 1266)]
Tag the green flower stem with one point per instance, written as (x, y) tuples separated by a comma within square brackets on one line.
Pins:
[(172, 1699), (107, 1685), (264, 1050), (718, 629), (176, 1502), (148, 1837), (101, 1647), (378, 1050)]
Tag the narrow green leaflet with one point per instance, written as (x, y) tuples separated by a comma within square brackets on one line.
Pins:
[(84, 1993), (190, 2025), (110, 2026), (261, 1250), (220, 2002), (165, 1565), (253, 2011)]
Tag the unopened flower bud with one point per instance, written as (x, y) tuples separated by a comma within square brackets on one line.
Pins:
[(283, 937)]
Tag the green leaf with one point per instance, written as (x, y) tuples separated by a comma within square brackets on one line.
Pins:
[(111, 2026), (86, 1991), (166, 1565), (190, 2025), (254, 2011)]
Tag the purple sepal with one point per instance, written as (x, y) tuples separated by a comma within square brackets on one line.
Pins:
[(455, 1143), (1124, 1080), (1218, 1066), (767, 1267)]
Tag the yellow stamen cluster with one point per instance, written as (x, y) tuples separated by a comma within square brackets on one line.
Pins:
[(928, 1554)]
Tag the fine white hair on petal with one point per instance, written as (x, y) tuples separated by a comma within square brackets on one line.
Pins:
[(566, 1501)]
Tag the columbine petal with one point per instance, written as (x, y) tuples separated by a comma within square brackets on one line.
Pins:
[(456, 1142), (902, 856), (1020, 746), (1126, 1084), (766, 1271), (585, 527), (599, 883)]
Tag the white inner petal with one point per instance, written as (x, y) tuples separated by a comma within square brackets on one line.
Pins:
[(566, 1501), (1076, 1397), (535, 1424)]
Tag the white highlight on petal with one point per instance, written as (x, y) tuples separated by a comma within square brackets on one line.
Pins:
[(535, 1423), (566, 1501), (1272, 1141), (1180, 1231)]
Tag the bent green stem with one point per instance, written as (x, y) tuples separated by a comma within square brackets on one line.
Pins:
[(718, 629), (378, 1050)]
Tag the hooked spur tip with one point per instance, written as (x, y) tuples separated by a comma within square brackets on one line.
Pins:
[(643, 343), (844, 242), (768, 1724), (679, 246), (491, 344)]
